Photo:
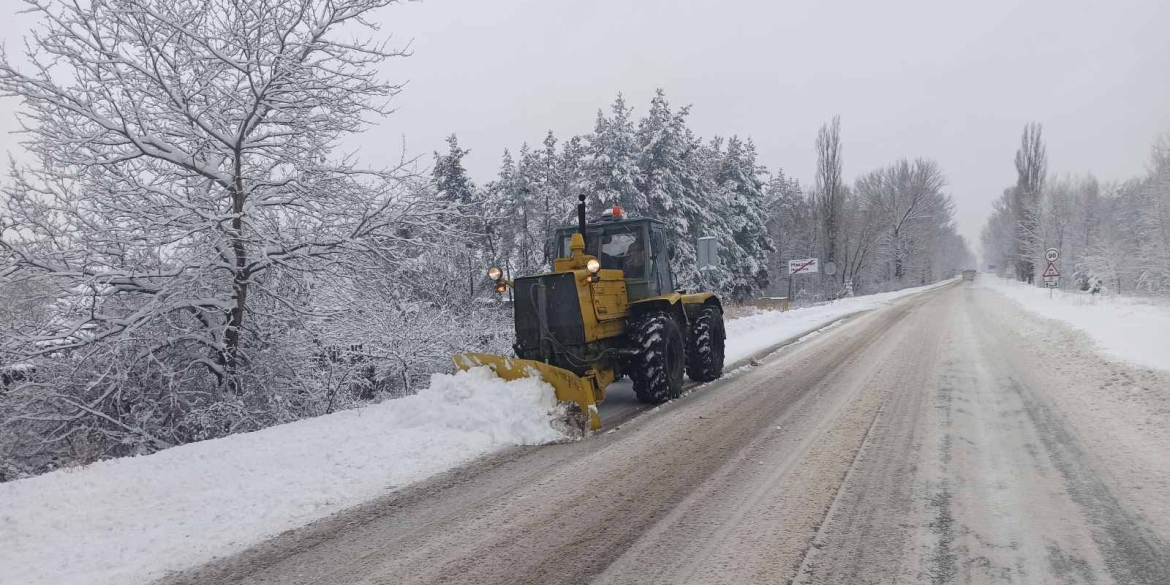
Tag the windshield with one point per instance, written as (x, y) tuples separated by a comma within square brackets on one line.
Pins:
[(617, 248)]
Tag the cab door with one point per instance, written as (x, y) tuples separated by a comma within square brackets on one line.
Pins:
[(661, 277)]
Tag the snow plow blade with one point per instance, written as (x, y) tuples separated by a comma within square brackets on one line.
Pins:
[(570, 387)]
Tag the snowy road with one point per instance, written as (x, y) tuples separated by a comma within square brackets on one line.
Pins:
[(948, 438)]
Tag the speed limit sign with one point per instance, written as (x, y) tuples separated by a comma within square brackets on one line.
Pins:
[(1051, 254)]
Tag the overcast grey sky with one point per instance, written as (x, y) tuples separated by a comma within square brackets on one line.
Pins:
[(948, 80)]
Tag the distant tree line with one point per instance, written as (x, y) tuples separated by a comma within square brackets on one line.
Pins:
[(1112, 237)]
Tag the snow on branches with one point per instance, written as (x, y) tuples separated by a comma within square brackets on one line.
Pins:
[(188, 226)]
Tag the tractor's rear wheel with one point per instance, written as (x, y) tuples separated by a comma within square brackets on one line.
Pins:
[(657, 369), (705, 346)]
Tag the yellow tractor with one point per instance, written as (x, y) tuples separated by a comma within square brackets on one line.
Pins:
[(609, 308)]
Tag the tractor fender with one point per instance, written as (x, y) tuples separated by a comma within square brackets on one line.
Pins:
[(695, 302), (671, 303)]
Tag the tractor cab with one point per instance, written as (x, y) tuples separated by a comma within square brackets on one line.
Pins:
[(637, 247)]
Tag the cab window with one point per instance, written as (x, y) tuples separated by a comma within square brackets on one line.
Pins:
[(620, 249)]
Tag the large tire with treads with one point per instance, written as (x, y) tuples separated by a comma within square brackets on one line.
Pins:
[(657, 369), (705, 345)]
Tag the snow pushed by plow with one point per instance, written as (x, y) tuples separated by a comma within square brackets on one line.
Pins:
[(133, 519)]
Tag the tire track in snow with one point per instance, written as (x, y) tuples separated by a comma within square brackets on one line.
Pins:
[(1133, 553), (818, 540)]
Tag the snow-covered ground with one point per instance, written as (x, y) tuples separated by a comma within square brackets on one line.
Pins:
[(131, 520), (748, 335), (1126, 329)]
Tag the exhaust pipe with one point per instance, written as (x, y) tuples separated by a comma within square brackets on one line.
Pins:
[(581, 217)]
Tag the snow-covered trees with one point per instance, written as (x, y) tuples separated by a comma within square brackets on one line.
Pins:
[(187, 224), (653, 166), (190, 255), (1031, 169), (830, 190), (887, 228), (790, 225), (613, 162), (746, 244), (671, 174), (1114, 237), (893, 227), (1013, 237), (909, 199)]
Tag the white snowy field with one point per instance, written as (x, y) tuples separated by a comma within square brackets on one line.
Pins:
[(1126, 329), (748, 335), (132, 520)]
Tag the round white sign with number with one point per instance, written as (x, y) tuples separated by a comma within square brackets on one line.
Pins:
[(1051, 254), (830, 268)]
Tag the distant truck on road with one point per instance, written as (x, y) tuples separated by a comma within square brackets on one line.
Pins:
[(968, 275)]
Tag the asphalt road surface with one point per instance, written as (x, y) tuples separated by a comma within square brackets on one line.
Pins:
[(937, 440)]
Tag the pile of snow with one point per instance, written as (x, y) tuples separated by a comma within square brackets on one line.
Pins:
[(131, 520), (1131, 330), (748, 335)]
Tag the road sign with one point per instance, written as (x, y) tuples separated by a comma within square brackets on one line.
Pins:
[(1052, 282), (830, 268), (1051, 255), (803, 266), (1051, 271), (707, 253)]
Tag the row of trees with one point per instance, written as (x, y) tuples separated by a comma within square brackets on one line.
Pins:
[(1112, 236), (652, 167), (190, 254), (894, 227)]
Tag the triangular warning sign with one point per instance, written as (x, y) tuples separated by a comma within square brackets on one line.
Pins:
[(1051, 270)]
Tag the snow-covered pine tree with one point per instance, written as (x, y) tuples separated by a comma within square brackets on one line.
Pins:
[(546, 197), (502, 203), (613, 162), (466, 256), (746, 250), (451, 180), (789, 223), (669, 179)]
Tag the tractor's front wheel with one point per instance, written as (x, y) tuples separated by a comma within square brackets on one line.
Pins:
[(705, 346), (657, 369)]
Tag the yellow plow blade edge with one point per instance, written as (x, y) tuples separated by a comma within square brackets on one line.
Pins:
[(569, 386)]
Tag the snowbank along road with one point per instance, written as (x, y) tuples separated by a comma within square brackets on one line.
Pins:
[(942, 439)]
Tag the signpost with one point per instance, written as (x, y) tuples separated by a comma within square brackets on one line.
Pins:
[(1051, 274), (802, 266), (708, 255)]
